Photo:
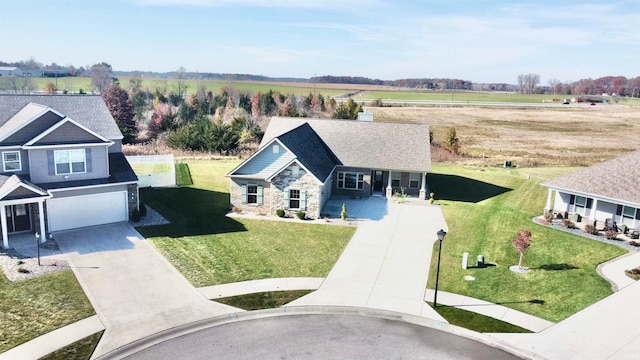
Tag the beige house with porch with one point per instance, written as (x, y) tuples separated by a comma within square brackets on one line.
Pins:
[(302, 162)]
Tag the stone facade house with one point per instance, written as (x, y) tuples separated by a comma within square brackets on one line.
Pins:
[(302, 162), (609, 190), (62, 165)]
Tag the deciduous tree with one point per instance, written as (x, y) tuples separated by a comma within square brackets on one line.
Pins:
[(122, 110), (522, 243), (101, 77)]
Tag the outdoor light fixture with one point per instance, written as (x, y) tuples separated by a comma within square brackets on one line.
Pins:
[(38, 246), (441, 233)]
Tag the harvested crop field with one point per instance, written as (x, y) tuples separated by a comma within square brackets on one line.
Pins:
[(529, 136)]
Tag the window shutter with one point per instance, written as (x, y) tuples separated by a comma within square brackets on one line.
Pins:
[(260, 194), (51, 162), (589, 203), (303, 199), (285, 195), (244, 194), (619, 210), (572, 200), (87, 158)]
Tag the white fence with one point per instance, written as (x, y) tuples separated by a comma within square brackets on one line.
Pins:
[(146, 168)]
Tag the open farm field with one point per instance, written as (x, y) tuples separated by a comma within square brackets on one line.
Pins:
[(488, 136)]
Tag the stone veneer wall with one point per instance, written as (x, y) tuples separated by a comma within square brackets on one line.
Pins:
[(236, 197), (304, 181)]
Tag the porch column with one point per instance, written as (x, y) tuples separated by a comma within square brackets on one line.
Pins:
[(548, 208), (43, 232), (389, 191), (594, 207), (5, 233), (423, 189)]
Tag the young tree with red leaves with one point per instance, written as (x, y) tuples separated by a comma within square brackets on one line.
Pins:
[(522, 243), (122, 110)]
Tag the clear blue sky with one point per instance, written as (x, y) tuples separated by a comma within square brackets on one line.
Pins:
[(476, 40)]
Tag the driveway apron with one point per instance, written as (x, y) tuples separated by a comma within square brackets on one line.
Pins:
[(135, 291), (386, 264)]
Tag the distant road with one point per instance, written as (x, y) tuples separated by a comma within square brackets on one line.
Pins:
[(479, 103)]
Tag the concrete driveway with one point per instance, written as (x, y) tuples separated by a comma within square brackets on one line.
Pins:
[(135, 291), (386, 264)]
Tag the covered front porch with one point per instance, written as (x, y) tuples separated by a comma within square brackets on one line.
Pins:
[(21, 208)]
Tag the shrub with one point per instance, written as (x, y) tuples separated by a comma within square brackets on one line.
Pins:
[(591, 229), (568, 224), (401, 195), (135, 215), (143, 209), (634, 243), (23, 270), (343, 213), (549, 217), (236, 210), (280, 212), (611, 234), (301, 215), (20, 262)]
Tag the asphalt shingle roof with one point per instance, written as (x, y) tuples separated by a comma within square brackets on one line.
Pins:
[(310, 150), (88, 110), (618, 178), (365, 144)]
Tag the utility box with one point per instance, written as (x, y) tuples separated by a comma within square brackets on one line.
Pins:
[(480, 261), (465, 260)]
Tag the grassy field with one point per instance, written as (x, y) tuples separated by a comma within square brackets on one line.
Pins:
[(528, 136), (209, 248), (265, 300), (33, 307), (484, 209), (79, 350)]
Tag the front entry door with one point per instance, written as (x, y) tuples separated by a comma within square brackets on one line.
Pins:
[(18, 218), (378, 185)]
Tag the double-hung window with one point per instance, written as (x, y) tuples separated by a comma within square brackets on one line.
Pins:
[(395, 179), (350, 180), (414, 180), (294, 199), (70, 161), (252, 194), (11, 161)]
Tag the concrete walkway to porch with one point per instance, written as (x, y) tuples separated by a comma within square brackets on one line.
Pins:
[(386, 264)]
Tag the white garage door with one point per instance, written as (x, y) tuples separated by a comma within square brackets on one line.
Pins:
[(87, 210)]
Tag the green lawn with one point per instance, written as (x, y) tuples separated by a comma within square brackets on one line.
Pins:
[(79, 350), (476, 322), (264, 300), (484, 209), (30, 308), (209, 248)]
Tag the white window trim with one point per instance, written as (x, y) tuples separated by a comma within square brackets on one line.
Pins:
[(250, 193), (411, 179), (396, 176), (4, 161), (292, 198), (68, 151), (357, 174)]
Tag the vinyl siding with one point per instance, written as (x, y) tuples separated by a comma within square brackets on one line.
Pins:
[(33, 129), (39, 166), (24, 160), (266, 163), (68, 133)]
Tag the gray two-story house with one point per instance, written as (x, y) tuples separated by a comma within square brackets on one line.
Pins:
[(62, 165)]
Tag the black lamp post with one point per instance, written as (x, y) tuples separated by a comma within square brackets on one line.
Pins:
[(441, 233)]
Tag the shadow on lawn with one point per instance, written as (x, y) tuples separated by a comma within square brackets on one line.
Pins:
[(555, 267), (190, 212), (459, 188)]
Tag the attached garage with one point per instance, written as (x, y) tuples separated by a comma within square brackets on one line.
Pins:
[(86, 210)]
